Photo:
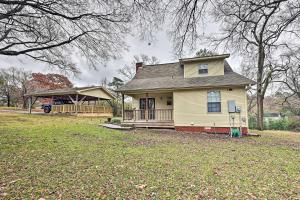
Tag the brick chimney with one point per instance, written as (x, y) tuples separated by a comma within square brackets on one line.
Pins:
[(137, 66)]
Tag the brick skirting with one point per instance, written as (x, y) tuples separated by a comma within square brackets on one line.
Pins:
[(202, 129)]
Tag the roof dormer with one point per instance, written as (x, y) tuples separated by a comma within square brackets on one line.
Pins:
[(204, 66)]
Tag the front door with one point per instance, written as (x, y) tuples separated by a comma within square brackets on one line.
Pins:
[(142, 108), (151, 108)]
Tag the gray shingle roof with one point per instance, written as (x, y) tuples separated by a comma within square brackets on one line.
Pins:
[(170, 76), (65, 91), (160, 70)]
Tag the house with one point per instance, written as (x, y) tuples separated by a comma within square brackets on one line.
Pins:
[(272, 116), (201, 94)]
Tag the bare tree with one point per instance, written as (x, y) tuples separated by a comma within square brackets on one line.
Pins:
[(9, 86), (22, 78), (290, 78), (14, 85), (53, 31), (250, 27), (127, 72)]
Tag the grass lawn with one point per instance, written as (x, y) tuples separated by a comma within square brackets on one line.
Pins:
[(54, 157), (9, 108)]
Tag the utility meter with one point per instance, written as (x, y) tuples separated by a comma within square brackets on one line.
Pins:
[(238, 109), (231, 106)]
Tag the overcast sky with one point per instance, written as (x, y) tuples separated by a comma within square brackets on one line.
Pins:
[(161, 48)]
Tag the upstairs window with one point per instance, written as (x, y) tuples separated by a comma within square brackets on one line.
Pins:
[(214, 101), (169, 101), (203, 69)]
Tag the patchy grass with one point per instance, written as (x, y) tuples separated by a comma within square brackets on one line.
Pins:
[(65, 157), (9, 108)]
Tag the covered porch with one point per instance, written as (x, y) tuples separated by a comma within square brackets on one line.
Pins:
[(149, 109), (80, 101)]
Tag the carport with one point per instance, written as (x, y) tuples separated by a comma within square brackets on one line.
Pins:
[(81, 100)]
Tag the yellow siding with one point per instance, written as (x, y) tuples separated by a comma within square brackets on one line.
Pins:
[(215, 68), (160, 100), (96, 93), (190, 108)]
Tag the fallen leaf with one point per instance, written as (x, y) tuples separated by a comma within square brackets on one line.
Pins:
[(14, 181), (140, 187)]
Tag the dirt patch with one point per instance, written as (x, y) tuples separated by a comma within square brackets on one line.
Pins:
[(144, 143), (83, 137), (276, 142), (182, 135), (185, 137)]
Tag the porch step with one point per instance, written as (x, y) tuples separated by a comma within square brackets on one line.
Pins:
[(151, 124), (117, 127)]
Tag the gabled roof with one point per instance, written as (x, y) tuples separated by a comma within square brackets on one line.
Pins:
[(170, 76), (167, 70), (202, 58), (68, 91), (165, 83), (159, 70)]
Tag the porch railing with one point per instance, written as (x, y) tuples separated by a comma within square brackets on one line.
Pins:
[(148, 115), (72, 108)]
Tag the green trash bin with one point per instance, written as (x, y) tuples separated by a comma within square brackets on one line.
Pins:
[(235, 132)]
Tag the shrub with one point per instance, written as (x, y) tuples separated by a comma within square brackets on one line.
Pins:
[(284, 124), (252, 122), (116, 121), (294, 125)]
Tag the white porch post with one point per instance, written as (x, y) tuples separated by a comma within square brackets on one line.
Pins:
[(76, 104), (146, 111), (123, 113)]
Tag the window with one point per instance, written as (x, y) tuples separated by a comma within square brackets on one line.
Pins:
[(169, 101), (214, 101), (203, 69)]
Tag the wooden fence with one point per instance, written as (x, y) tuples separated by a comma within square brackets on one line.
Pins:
[(72, 108)]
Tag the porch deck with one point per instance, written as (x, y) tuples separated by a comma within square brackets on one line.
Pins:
[(150, 124), (153, 118)]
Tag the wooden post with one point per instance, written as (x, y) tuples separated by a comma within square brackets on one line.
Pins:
[(123, 113), (76, 104), (30, 104), (146, 112)]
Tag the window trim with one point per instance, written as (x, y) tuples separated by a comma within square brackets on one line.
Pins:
[(199, 68), (214, 102)]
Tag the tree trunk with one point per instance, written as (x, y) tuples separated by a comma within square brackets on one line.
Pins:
[(260, 112), (260, 93), (24, 102), (24, 91), (8, 100)]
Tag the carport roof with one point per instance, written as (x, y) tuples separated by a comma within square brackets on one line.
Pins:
[(70, 91)]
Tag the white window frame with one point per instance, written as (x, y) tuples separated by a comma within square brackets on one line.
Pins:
[(203, 66), (218, 101)]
